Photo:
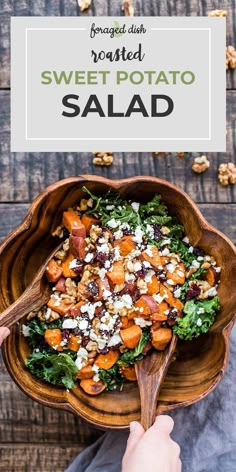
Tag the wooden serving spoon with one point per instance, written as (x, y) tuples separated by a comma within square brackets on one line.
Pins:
[(34, 296), (151, 371)]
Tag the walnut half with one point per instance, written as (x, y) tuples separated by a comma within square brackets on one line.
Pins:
[(227, 174), (200, 164), (102, 158)]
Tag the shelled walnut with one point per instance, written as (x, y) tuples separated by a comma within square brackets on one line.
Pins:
[(227, 174), (200, 164), (218, 13), (84, 4), (102, 158), (127, 8), (230, 57)]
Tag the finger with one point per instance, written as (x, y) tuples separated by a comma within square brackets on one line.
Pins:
[(4, 332), (164, 424), (136, 433)]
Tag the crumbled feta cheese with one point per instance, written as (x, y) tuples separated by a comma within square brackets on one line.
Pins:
[(96, 378), (199, 322), (88, 257), (158, 298), (135, 206), (165, 241), (212, 292), (107, 264), (185, 240), (69, 323), (118, 234), (170, 267), (113, 223), (148, 251), (137, 266), (83, 324), (106, 294), (88, 308), (218, 269), (82, 358), (200, 311), (115, 339), (165, 252), (102, 273), (200, 258), (138, 235), (146, 264), (95, 368), (148, 276), (73, 264), (48, 313), (110, 207), (142, 323), (177, 293), (25, 330), (104, 248), (116, 253), (102, 240), (129, 277), (190, 249), (64, 342), (170, 282), (101, 343), (127, 300), (195, 264), (150, 230)]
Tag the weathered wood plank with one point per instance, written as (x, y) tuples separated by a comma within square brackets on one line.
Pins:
[(222, 216), (24, 175), (24, 421), (33, 458), (107, 8)]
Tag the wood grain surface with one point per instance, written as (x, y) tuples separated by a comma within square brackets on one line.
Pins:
[(34, 438)]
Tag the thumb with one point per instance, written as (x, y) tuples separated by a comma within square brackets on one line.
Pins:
[(4, 332), (136, 433)]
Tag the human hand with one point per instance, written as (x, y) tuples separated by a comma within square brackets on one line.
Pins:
[(4, 332), (153, 450)]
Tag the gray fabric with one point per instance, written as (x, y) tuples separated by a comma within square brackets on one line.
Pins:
[(206, 433)]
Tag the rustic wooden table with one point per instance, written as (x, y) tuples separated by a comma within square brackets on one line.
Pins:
[(33, 437)]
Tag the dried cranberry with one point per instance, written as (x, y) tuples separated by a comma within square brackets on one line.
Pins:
[(42, 345), (101, 257), (193, 292), (76, 331), (126, 232), (198, 252), (85, 316), (217, 276), (79, 267), (162, 277), (142, 272), (157, 234), (84, 341), (93, 288), (171, 317), (65, 233), (65, 334), (105, 350)]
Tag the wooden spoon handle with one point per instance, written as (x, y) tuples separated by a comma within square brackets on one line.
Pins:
[(28, 301), (151, 372)]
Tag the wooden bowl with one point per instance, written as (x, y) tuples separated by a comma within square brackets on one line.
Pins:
[(200, 364)]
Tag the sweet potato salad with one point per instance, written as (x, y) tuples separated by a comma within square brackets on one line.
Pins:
[(125, 279)]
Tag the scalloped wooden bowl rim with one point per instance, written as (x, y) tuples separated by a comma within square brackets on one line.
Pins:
[(115, 184)]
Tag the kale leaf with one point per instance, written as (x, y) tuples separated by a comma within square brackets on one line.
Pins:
[(112, 378), (199, 316), (133, 355), (37, 329), (54, 368)]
